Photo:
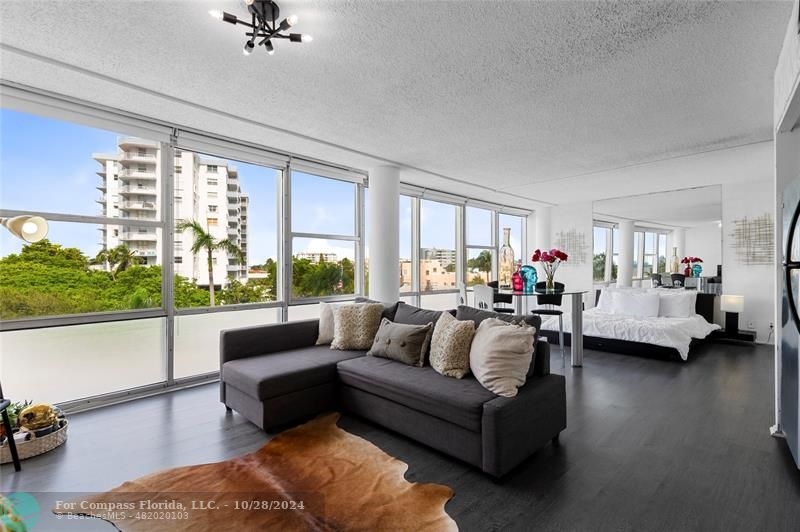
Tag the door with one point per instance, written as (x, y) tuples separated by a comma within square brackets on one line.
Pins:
[(790, 317)]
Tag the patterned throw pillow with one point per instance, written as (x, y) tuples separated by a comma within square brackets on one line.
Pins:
[(450, 346), (354, 326)]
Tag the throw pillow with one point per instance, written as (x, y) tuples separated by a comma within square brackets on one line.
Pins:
[(478, 316), (354, 326), (325, 335), (501, 355), (676, 303), (450, 346), (389, 309), (403, 343)]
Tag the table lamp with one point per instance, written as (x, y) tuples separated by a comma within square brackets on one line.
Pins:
[(732, 306)]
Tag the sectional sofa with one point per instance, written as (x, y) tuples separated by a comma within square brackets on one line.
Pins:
[(275, 375)]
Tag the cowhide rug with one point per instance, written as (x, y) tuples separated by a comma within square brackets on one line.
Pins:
[(312, 477)]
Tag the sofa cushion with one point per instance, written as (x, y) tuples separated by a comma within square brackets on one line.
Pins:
[(389, 309), (411, 315), (450, 346), (459, 401), (354, 326), (275, 374)]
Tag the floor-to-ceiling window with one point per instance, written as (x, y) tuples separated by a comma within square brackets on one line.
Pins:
[(480, 246)]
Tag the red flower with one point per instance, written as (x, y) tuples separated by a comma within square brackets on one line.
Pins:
[(697, 259), (685, 260), (537, 255), (560, 255)]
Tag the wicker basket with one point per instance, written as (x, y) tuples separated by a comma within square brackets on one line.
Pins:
[(36, 446)]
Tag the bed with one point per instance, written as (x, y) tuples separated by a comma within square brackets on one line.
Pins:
[(659, 337)]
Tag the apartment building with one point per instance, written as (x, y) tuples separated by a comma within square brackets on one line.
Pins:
[(206, 190)]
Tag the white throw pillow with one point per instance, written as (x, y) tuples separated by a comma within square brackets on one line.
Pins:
[(501, 355), (636, 304), (677, 303), (325, 336)]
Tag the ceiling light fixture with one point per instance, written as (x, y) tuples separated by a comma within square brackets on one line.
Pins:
[(264, 15)]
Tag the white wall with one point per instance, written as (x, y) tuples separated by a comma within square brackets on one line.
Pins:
[(704, 241), (755, 282), (575, 275)]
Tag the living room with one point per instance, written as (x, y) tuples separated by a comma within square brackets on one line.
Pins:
[(399, 265)]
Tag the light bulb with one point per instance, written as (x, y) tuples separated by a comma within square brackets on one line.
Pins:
[(292, 20), (269, 47), (248, 48), (29, 228), (306, 38), (249, 2), (217, 14)]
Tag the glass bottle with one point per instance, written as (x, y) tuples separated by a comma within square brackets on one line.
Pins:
[(506, 260), (674, 263)]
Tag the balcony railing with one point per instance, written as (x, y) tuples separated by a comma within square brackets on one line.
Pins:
[(136, 156), (127, 172), (138, 205), (131, 189), (145, 252), (138, 237)]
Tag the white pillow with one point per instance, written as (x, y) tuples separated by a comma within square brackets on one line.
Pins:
[(606, 301), (326, 322), (501, 355), (677, 303), (636, 304)]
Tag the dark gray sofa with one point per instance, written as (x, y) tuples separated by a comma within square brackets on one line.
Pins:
[(275, 375)]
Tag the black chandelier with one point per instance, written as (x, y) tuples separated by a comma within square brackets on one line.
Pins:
[(263, 25)]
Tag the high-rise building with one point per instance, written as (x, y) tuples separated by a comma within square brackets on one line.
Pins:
[(206, 190), (444, 256)]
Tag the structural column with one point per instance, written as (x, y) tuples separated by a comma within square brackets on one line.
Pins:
[(383, 215), (542, 240), (625, 266), (679, 242)]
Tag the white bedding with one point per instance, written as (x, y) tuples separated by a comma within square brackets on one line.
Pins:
[(676, 333)]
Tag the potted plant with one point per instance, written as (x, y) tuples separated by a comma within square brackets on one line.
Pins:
[(550, 261)]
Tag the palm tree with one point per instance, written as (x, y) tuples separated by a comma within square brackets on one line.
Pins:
[(204, 240), (118, 259)]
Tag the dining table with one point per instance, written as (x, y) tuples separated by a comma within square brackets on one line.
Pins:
[(576, 299)]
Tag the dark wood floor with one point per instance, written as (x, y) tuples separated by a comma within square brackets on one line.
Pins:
[(649, 445)]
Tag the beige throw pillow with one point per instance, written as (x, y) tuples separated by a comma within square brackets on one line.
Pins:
[(501, 355), (354, 326), (326, 322), (450, 346)]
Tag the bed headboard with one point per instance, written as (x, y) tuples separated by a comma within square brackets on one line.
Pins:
[(704, 305)]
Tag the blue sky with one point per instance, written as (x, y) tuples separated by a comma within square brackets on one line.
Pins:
[(46, 165)]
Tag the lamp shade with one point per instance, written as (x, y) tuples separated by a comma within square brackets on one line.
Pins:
[(731, 303), (28, 228)]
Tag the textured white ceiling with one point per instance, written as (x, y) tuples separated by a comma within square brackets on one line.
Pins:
[(505, 95), (677, 208)]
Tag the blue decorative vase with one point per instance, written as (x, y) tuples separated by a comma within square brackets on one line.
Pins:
[(530, 277), (697, 270)]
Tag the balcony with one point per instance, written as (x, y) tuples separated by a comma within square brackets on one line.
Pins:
[(136, 174), (132, 189), (138, 157), (145, 252), (102, 199), (138, 205), (101, 186), (137, 237)]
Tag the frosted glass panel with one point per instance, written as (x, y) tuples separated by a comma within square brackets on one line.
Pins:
[(197, 337), (439, 301), (304, 312), (60, 364)]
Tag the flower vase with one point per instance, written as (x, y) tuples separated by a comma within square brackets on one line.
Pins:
[(697, 270), (517, 282), (687, 272), (551, 285)]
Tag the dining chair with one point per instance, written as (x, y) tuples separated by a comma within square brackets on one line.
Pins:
[(462, 294), (484, 296), (655, 278), (546, 303), (678, 279), (12, 445), (504, 299)]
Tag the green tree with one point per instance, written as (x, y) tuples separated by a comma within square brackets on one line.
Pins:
[(599, 266), (205, 241)]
